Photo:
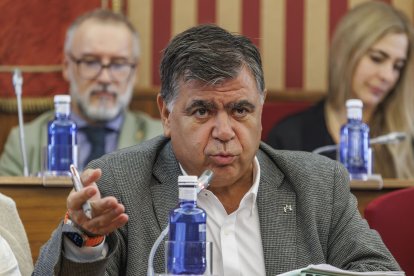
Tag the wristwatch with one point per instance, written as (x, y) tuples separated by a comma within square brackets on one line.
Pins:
[(72, 231)]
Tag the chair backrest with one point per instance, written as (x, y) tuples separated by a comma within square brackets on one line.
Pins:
[(392, 215), (273, 112)]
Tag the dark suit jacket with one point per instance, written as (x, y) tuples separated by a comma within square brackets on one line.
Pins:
[(324, 225)]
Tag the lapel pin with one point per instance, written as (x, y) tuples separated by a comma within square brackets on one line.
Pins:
[(287, 208)]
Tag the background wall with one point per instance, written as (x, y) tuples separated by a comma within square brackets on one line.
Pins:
[(31, 37), (293, 36)]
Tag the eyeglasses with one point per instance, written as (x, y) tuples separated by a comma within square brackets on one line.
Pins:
[(90, 68)]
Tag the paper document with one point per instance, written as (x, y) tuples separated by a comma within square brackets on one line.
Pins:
[(328, 270)]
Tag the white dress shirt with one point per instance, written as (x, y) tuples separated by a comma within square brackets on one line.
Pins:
[(237, 243)]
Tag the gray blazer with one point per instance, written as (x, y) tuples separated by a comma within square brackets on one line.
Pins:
[(324, 225)]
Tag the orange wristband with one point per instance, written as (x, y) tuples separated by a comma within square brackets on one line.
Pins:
[(79, 237)]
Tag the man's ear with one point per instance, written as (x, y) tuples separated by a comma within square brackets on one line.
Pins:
[(165, 115)]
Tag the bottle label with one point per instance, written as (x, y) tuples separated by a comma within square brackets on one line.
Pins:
[(354, 147), (189, 194), (62, 108), (202, 227)]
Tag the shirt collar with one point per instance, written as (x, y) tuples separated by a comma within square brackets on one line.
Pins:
[(249, 199), (114, 124)]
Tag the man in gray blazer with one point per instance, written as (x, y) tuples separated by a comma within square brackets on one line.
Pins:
[(268, 211)]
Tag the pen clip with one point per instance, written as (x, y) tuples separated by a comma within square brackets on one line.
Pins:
[(74, 171)]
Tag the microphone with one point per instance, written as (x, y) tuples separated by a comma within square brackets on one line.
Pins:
[(18, 83), (203, 183), (204, 180), (323, 149), (390, 138)]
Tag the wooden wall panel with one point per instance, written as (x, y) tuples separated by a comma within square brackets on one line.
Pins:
[(272, 45), (316, 45), (140, 14), (184, 15), (405, 5), (229, 14), (293, 36)]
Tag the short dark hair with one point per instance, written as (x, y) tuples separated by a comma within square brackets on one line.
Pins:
[(209, 54)]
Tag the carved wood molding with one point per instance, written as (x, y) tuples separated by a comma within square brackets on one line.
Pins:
[(29, 105), (31, 68), (41, 104)]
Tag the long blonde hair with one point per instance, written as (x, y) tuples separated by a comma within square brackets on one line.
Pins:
[(362, 27)]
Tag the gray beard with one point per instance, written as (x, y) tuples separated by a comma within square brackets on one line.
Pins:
[(100, 113)]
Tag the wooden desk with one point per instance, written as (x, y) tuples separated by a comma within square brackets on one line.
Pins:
[(41, 208), (366, 196)]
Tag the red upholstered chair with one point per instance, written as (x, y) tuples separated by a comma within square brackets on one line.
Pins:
[(273, 112), (392, 215)]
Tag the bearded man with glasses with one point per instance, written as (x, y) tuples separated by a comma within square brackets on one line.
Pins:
[(101, 55)]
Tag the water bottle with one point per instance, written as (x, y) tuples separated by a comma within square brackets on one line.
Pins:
[(187, 232), (354, 150), (61, 138)]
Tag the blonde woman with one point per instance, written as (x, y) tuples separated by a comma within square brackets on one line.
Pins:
[(371, 59)]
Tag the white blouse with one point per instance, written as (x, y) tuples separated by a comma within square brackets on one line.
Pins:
[(8, 262)]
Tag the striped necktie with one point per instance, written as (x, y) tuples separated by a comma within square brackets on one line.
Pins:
[(96, 137)]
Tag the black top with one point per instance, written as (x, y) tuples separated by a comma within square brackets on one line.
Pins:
[(304, 131)]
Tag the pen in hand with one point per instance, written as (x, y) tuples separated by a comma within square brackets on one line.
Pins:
[(77, 185)]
